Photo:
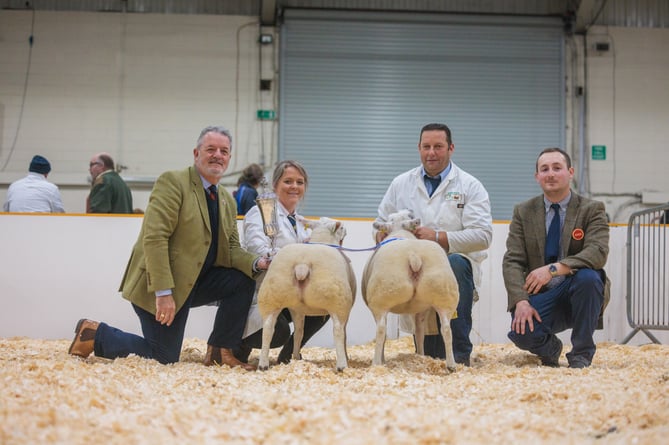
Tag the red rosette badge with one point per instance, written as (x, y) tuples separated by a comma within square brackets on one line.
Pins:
[(577, 234)]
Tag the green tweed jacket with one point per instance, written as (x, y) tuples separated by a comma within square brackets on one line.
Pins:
[(109, 194), (175, 238), (586, 231)]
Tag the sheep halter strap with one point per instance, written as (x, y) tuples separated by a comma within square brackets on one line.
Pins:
[(347, 249)]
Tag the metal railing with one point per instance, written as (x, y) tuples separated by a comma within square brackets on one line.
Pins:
[(647, 277)]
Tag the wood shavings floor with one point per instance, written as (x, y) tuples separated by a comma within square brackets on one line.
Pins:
[(49, 397)]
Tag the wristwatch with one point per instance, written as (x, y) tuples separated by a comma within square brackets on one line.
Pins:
[(553, 270)]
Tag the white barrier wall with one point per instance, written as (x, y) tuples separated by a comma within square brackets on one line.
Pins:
[(55, 269)]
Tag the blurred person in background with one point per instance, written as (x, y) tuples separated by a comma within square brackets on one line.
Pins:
[(109, 192), (34, 193)]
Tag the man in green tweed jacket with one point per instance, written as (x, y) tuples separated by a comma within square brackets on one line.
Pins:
[(188, 254)]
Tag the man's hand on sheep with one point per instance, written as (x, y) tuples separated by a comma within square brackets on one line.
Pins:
[(380, 236), (439, 236)]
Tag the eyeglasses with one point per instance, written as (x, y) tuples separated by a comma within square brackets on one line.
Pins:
[(94, 163)]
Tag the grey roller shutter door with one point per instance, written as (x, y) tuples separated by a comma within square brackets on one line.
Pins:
[(357, 88)]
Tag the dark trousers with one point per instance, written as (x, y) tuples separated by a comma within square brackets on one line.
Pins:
[(233, 291), (461, 326), (573, 304), (282, 335)]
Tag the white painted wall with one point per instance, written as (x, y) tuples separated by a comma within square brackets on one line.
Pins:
[(628, 93), (141, 86), (55, 269)]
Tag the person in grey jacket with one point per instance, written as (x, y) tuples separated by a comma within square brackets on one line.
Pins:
[(549, 292), (454, 210)]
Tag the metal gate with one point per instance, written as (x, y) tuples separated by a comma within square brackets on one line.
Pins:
[(647, 278)]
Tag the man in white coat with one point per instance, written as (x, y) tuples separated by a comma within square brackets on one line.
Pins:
[(454, 210)]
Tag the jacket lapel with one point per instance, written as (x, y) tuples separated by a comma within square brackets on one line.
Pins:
[(539, 225), (197, 188), (569, 224)]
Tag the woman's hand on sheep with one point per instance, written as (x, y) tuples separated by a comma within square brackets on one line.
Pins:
[(263, 262)]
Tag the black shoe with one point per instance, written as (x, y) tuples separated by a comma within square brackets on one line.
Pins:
[(579, 363), (462, 361), (286, 352), (553, 360)]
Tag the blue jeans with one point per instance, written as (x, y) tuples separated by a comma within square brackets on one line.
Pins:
[(573, 304), (233, 291), (461, 326)]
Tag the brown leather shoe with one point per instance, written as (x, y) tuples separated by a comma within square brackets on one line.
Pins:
[(223, 356), (213, 356), (84, 338), (228, 358)]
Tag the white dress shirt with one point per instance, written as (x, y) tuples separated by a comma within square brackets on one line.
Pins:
[(33, 194)]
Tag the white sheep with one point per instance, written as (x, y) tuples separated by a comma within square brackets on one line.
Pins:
[(309, 279), (406, 275)]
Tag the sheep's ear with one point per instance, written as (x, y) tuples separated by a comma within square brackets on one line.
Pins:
[(308, 223), (340, 232), (411, 225), (382, 227)]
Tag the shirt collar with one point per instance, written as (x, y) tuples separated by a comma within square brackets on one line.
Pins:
[(206, 183), (563, 203), (443, 173)]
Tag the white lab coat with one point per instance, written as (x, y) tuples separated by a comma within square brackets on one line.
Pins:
[(255, 241), (460, 207)]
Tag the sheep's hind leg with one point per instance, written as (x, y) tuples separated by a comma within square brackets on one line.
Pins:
[(419, 323), (447, 337), (339, 333), (379, 350), (298, 333), (267, 334)]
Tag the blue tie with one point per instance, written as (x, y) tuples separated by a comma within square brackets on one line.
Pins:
[(434, 182), (553, 237)]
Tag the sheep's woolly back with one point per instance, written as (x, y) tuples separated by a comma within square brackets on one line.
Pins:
[(407, 275), (313, 278)]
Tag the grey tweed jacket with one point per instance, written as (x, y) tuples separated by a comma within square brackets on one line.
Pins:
[(584, 242)]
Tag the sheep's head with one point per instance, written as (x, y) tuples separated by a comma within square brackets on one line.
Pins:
[(402, 220), (326, 230)]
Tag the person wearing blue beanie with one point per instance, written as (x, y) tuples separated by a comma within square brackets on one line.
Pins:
[(34, 193)]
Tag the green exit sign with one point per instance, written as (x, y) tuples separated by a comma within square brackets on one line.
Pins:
[(266, 115), (599, 152)]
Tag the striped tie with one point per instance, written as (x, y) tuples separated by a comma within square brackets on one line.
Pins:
[(293, 223)]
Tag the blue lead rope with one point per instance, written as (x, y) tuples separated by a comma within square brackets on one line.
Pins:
[(347, 249)]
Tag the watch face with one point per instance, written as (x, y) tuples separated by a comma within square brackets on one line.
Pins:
[(552, 269)]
